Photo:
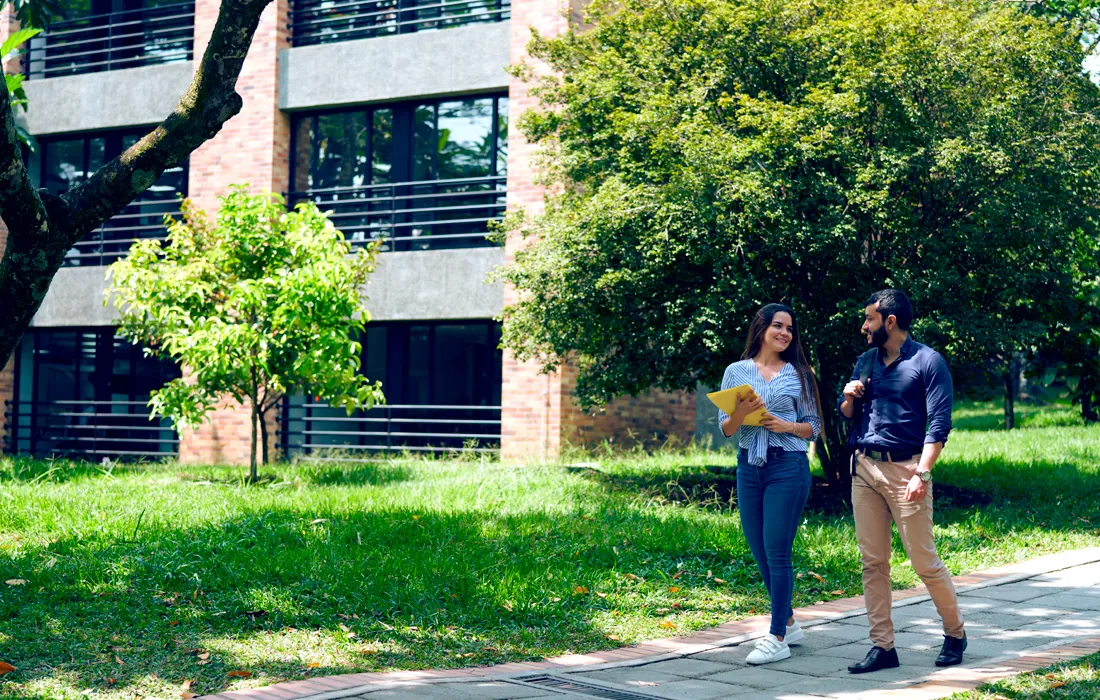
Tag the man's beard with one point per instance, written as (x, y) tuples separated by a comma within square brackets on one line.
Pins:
[(879, 337)]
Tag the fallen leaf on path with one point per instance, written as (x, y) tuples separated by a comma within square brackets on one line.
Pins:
[(677, 575), (119, 661), (819, 577), (1051, 677), (719, 580), (819, 602), (799, 575), (318, 521), (173, 623), (613, 637), (580, 590), (673, 589), (313, 664), (239, 674), (666, 624), (15, 581), (1056, 684), (836, 592), (203, 656), (5, 667), (632, 577), (602, 595), (711, 575), (677, 605), (111, 681), (507, 605)]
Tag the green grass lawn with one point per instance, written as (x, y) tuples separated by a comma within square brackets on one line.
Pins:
[(1070, 680), (138, 578)]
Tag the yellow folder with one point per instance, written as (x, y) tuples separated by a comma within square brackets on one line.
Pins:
[(727, 401)]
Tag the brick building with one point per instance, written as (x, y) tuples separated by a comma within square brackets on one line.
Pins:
[(394, 115)]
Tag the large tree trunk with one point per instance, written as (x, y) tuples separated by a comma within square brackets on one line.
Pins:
[(42, 227), (1011, 379)]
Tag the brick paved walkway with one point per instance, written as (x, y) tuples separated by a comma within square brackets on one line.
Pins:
[(1018, 618)]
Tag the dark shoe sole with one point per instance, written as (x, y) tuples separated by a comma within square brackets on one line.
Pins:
[(883, 667), (954, 662)]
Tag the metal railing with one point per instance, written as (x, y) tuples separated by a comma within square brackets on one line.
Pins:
[(87, 429), (316, 429), (326, 21), (422, 215), (112, 240), (113, 41)]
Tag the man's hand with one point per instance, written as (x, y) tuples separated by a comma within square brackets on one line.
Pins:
[(853, 390), (915, 489), (776, 425)]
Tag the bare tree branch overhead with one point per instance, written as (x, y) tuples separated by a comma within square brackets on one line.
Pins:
[(42, 227)]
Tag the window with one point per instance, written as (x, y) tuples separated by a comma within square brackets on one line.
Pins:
[(84, 392), (62, 163), (326, 21), (442, 383), (421, 175), (87, 36)]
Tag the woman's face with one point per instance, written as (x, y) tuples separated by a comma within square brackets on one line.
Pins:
[(780, 332)]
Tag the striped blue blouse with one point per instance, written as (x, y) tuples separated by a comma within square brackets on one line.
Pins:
[(782, 398)]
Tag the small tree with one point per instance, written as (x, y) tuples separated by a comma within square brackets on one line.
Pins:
[(261, 305)]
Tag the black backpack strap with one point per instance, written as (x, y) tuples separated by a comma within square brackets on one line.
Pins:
[(865, 363)]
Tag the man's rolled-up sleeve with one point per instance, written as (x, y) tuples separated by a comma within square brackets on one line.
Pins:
[(938, 396)]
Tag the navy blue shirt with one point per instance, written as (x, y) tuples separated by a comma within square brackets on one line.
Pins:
[(907, 404)]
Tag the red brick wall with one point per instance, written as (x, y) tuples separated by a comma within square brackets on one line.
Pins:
[(539, 416), (252, 148)]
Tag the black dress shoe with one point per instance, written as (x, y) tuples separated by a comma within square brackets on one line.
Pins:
[(952, 652), (876, 660)]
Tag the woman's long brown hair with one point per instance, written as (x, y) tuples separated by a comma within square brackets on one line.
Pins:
[(793, 354)]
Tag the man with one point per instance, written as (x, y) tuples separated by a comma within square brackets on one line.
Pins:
[(903, 418)]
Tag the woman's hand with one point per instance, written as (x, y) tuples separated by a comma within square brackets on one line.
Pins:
[(776, 425), (747, 406)]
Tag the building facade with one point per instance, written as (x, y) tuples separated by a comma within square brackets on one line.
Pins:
[(395, 115)]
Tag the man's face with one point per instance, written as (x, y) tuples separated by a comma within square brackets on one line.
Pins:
[(874, 326)]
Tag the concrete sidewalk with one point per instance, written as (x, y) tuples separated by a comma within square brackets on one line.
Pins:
[(1018, 618)]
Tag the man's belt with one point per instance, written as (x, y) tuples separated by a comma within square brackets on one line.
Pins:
[(889, 456)]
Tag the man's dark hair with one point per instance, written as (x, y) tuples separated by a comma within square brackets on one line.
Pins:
[(893, 302)]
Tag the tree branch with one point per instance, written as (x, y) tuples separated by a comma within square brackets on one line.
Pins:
[(42, 228)]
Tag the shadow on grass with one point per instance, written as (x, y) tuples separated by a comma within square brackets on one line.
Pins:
[(357, 473), (715, 486), (272, 591)]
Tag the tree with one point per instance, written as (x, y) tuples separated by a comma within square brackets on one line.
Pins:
[(705, 157), (12, 48), (262, 305), (42, 227)]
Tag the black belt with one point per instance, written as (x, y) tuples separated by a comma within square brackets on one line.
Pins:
[(889, 456)]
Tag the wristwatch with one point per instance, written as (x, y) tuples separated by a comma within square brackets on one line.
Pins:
[(925, 475)]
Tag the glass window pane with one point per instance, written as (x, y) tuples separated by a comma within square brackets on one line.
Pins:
[(64, 165), (465, 138), (303, 150), (502, 136), (97, 154), (341, 150), (382, 146), (419, 369), (424, 143)]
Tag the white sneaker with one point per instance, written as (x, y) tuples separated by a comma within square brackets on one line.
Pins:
[(794, 634), (767, 650)]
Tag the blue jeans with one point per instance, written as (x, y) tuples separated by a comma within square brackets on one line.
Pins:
[(770, 500)]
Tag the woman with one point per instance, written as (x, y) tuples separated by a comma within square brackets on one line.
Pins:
[(773, 472)]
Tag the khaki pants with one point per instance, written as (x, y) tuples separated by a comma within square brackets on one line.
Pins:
[(878, 496)]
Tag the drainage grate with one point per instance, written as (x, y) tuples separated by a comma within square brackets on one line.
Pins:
[(582, 688)]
